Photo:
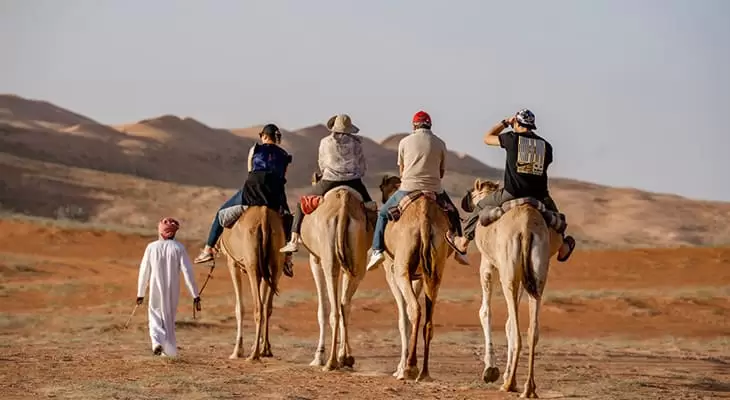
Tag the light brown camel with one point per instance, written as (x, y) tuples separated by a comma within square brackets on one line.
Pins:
[(337, 236), (252, 247), (518, 246), (415, 257)]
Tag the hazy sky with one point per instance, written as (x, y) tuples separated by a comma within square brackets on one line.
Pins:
[(630, 92)]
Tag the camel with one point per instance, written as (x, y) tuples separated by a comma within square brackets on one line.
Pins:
[(337, 235), (251, 247), (415, 257), (518, 246)]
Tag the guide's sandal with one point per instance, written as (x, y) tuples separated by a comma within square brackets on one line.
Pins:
[(571, 246)]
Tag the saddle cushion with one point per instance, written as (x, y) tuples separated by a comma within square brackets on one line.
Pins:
[(310, 203), (227, 217), (395, 211), (553, 219)]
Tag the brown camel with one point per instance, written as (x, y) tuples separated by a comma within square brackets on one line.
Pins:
[(415, 257), (337, 236), (518, 246), (252, 246)]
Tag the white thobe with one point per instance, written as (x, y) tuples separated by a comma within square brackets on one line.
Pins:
[(160, 268)]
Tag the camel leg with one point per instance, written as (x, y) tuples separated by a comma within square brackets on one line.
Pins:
[(318, 275), (534, 333), (349, 286), (332, 278), (268, 299), (510, 343), (403, 326), (414, 316), (255, 282), (237, 278), (491, 371), (511, 295), (432, 289)]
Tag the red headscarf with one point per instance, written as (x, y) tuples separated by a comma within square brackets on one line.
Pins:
[(167, 227)]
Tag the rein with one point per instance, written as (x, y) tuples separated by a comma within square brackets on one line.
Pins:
[(210, 275)]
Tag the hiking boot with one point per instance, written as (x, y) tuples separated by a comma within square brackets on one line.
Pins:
[(459, 243), (207, 254), (288, 266), (376, 257)]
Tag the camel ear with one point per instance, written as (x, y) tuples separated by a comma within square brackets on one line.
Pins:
[(477, 184)]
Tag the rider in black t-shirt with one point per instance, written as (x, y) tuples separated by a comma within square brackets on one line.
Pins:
[(525, 174)]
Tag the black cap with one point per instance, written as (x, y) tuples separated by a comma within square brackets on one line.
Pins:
[(270, 130)]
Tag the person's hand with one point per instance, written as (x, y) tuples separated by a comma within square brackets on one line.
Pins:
[(196, 303), (140, 300), (511, 120)]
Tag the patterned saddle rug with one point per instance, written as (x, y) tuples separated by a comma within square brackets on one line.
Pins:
[(553, 219), (395, 211)]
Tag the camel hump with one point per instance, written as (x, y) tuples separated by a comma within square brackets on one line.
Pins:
[(352, 191)]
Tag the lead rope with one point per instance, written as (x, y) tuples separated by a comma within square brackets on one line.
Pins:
[(210, 275)]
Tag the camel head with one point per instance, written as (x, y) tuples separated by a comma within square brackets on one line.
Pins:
[(316, 177), (481, 189), (388, 186)]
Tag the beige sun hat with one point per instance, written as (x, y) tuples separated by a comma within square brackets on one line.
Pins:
[(342, 123)]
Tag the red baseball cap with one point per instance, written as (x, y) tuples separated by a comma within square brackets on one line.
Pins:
[(422, 117)]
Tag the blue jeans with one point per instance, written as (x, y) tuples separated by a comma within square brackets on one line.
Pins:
[(216, 230), (379, 234)]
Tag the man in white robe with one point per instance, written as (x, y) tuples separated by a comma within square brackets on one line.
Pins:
[(161, 265)]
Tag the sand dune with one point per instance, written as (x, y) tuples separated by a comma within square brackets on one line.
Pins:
[(133, 173)]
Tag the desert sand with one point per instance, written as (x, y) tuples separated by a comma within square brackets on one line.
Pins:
[(641, 310)]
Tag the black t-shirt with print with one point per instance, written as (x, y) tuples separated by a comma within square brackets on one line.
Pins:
[(528, 158)]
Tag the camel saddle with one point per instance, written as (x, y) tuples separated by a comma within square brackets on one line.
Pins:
[(395, 211), (554, 220), (310, 203)]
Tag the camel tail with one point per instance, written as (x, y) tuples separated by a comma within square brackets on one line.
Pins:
[(341, 226), (528, 273), (427, 250), (264, 263)]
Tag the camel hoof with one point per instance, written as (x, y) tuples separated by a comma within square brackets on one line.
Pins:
[(236, 355), (267, 354), (508, 388), (411, 373), (529, 395), (254, 358), (424, 378), (490, 374), (317, 362), (331, 366), (348, 361)]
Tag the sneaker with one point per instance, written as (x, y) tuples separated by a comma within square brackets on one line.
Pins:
[(205, 255), (157, 350), (288, 266), (291, 247), (376, 257), (461, 258)]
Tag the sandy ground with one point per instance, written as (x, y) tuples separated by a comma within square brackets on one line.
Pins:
[(640, 324)]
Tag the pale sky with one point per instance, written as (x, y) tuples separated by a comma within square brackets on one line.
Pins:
[(632, 93)]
